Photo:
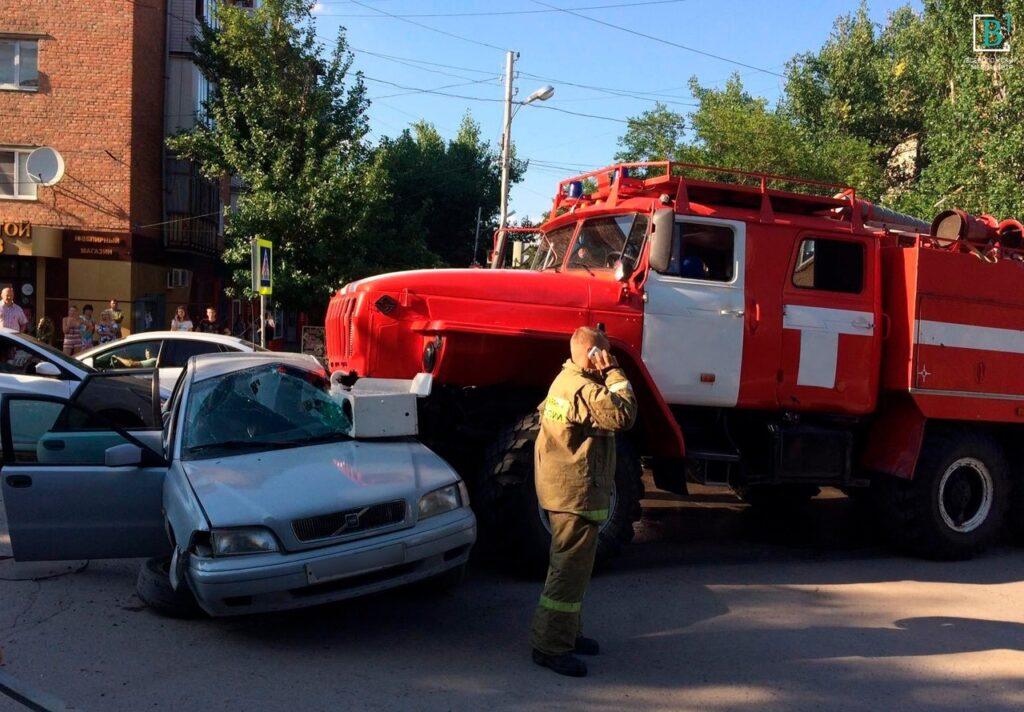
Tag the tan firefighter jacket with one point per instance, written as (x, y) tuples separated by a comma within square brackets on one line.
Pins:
[(574, 459)]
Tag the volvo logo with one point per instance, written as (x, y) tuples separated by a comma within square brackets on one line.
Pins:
[(351, 522)]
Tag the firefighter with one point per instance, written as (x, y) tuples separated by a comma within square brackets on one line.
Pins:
[(589, 401)]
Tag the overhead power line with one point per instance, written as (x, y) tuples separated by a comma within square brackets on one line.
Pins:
[(493, 99), (446, 86), (493, 13), (652, 38), (428, 27)]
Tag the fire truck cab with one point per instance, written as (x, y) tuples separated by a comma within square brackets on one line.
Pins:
[(781, 334)]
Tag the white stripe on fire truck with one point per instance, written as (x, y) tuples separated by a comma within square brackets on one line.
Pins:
[(819, 329), (969, 336)]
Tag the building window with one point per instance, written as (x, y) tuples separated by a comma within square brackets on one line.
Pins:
[(178, 278), (19, 64), (14, 180)]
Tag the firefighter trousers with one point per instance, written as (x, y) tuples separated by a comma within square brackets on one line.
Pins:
[(556, 622)]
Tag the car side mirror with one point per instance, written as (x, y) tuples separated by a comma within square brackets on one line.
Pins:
[(47, 369), (661, 239), (124, 455)]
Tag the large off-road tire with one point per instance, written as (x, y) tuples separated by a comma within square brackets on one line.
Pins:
[(955, 505), (507, 496), (154, 588)]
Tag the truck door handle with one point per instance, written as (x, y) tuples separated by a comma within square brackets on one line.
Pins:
[(863, 324), (731, 312), (19, 481)]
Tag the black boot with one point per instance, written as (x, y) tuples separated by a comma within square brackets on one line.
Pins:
[(564, 664), (586, 646)]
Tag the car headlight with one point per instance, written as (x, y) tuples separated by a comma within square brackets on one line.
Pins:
[(441, 500), (246, 540)]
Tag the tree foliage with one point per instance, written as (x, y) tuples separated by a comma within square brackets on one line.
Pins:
[(438, 187), (287, 119), (906, 112)]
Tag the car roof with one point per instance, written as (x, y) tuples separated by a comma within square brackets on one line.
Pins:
[(187, 335), (208, 366)]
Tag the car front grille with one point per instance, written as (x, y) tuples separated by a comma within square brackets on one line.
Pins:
[(350, 521)]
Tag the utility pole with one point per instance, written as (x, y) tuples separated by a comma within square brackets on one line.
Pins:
[(506, 150), (476, 238)]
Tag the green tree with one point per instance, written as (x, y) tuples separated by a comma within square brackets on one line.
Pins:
[(439, 186), (289, 120)]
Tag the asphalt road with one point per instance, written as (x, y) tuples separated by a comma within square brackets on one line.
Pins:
[(713, 609)]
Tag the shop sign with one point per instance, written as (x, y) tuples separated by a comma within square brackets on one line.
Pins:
[(97, 247), (11, 228)]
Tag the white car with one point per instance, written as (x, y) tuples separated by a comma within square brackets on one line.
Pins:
[(253, 491), (167, 351), (27, 365)]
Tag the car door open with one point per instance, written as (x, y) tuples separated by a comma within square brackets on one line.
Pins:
[(79, 483)]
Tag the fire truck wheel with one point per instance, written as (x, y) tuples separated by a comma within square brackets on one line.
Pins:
[(955, 505), (507, 490)]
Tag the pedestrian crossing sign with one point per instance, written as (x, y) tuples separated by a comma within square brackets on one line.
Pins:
[(262, 266)]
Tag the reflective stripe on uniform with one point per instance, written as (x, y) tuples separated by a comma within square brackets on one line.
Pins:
[(560, 606), (556, 409), (594, 515), (621, 385)]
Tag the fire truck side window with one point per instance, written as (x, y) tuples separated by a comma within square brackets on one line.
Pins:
[(829, 265), (702, 252)]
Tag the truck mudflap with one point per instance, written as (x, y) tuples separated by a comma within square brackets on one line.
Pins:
[(895, 437)]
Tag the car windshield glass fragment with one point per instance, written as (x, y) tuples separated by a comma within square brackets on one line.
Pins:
[(604, 241), (552, 247), (262, 408)]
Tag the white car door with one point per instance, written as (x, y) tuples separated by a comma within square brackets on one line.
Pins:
[(694, 315)]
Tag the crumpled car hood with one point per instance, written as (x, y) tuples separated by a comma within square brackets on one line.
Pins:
[(272, 488)]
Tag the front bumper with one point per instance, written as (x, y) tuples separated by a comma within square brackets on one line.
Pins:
[(274, 582)]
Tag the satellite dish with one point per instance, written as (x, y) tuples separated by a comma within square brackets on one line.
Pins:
[(45, 166)]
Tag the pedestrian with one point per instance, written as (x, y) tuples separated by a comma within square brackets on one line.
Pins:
[(71, 327), (46, 332), (574, 464), (88, 327), (11, 315), (210, 323), (116, 316), (181, 322), (106, 329), (269, 327)]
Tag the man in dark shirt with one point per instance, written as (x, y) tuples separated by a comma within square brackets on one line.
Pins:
[(210, 323)]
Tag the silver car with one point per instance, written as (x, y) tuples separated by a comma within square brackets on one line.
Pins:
[(248, 493)]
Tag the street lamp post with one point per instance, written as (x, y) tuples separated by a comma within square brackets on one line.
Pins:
[(542, 94)]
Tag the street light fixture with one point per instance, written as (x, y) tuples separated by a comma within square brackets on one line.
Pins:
[(542, 94)]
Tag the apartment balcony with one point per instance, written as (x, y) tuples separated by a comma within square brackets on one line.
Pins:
[(185, 233)]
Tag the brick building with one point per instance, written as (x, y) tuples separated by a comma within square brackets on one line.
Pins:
[(93, 81)]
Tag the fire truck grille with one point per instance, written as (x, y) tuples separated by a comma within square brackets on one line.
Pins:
[(350, 521), (348, 321)]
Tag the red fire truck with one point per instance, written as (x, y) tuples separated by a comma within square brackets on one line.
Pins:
[(781, 334)]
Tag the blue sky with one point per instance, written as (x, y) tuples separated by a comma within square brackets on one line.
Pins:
[(563, 48)]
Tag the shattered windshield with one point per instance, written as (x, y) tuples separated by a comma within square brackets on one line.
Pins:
[(551, 251), (267, 407), (604, 241)]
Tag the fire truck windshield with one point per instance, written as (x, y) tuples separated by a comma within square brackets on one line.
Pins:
[(604, 241), (552, 248)]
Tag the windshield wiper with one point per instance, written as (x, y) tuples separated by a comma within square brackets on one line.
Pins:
[(244, 445)]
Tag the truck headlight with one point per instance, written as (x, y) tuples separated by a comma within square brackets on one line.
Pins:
[(245, 540), (440, 501)]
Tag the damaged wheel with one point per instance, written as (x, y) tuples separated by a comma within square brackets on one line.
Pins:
[(508, 494), (154, 588)]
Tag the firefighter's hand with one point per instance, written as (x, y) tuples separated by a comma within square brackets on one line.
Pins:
[(603, 360)]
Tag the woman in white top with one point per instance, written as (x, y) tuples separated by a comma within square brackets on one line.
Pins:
[(181, 322)]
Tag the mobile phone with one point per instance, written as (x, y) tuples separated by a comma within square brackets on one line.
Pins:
[(592, 354)]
